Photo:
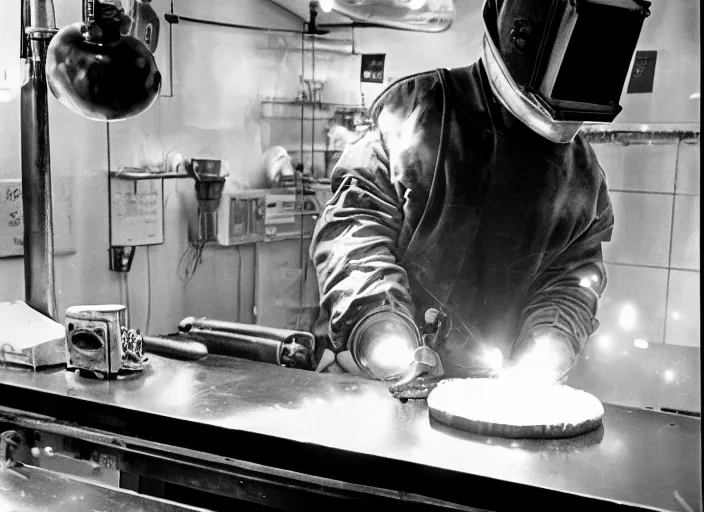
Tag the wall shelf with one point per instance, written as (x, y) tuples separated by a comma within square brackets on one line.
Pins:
[(137, 175), (278, 108), (641, 133)]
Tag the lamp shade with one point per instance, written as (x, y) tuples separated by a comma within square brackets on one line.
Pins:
[(103, 81)]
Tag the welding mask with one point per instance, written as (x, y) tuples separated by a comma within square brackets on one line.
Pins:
[(561, 61)]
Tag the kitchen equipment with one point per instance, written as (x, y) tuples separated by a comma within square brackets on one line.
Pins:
[(241, 217), (98, 342), (287, 214), (209, 185), (293, 349)]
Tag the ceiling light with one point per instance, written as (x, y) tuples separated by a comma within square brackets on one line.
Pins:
[(326, 5)]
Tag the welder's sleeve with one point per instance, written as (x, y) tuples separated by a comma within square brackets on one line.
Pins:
[(565, 298), (354, 245)]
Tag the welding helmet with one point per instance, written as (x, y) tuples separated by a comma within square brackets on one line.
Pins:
[(564, 60)]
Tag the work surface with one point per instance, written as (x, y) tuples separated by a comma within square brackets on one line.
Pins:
[(343, 427), (29, 489)]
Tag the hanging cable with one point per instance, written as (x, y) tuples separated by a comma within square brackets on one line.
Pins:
[(299, 175), (149, 294), (303, 260)]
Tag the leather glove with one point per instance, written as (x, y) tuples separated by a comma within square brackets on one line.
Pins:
[(421, 377), (542, 358)]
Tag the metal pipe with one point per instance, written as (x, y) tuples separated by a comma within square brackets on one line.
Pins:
[(40, 291)]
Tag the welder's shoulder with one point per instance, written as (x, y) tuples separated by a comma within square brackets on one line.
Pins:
[(584, 173), (406, 96)]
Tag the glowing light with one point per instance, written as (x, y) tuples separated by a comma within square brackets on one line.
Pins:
[(416, 4), (695, 96), (628, 317), (537, 367), (669, 375), (638, 343), (585, 282), (391, 352), (494, 359), (326, 5), (676, 315), (604, 342), (5, 95), (595, 278)]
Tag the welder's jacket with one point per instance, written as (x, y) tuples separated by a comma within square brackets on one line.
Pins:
[(448, 204)]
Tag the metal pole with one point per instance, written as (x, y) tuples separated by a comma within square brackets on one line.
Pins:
[(38, 26)]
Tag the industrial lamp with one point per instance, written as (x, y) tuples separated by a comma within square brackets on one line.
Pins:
[(411, 15), (95, 70)]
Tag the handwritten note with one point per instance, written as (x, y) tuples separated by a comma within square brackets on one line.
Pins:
[(11, 217), (136, 212)]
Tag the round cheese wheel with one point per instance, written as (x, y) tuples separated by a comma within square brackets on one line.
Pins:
[(495, 408)]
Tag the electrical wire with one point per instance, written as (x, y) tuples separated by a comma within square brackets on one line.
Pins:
[(192, 257), (238, 250), (148, 314)]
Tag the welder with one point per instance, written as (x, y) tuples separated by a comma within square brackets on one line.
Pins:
[(476, 203)]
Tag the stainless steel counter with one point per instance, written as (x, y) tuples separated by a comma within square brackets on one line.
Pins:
[(345, 428), (623, 372)]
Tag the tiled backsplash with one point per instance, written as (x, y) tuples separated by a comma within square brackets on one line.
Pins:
[(653, 258)]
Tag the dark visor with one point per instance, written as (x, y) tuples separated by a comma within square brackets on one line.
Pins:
[(585, 56)]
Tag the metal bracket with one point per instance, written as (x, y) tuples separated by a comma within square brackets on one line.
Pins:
[(172, 19)]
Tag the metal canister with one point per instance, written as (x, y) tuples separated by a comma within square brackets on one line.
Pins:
[(94, 338)]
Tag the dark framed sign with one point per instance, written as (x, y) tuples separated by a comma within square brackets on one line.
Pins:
[(373, 68), (643, 72)]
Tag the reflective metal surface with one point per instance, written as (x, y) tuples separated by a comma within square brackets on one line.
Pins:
[(413, 15), (38, 21), (639, 374), (108, 81), (641, 457), (28, 489)]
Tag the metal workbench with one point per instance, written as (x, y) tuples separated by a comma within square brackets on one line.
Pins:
[(30, 489), (289, 439)]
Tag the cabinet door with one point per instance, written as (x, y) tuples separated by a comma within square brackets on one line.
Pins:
[(279, 274)]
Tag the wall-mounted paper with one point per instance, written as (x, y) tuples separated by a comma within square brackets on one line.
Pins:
[(136, 212)]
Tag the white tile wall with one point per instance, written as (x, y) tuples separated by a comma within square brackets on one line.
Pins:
[(688, 169), (644, 181), (685, 235), (683, 312), (640, 167), (641, 229), (633, 303)]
